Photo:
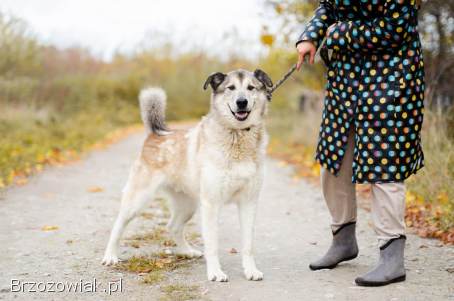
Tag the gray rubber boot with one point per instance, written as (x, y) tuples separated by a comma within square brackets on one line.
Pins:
[(343, 248), (390, 267)]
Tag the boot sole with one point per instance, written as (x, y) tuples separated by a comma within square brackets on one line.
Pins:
[(360, 282), (329, 267)]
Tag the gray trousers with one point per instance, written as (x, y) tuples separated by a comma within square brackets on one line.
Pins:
[(388, 199)]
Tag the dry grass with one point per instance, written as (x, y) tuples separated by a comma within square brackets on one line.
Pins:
[(159, 262), (180, 292), (152, 278), (432, 187), (158, 236)]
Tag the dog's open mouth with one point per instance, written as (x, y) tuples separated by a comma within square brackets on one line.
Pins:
[(240, 115)]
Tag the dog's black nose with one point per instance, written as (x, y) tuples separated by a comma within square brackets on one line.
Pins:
[(241, 103)]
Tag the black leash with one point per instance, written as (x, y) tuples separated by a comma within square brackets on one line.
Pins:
[(325, 56), (282, 80)]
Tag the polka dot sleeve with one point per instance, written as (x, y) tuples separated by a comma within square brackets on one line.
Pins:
[(386, 32), (316, 28)]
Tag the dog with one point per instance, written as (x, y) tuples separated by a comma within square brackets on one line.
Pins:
[(218, 161)]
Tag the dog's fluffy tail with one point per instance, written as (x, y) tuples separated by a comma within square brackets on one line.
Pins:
[(152, 109)]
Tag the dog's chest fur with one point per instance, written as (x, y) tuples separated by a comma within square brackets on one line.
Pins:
[(232, 159)]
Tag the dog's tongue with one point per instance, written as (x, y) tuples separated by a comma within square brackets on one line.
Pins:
[(241, 114)]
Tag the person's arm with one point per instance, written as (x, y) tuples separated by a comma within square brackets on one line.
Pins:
[(382, 33), (316, 28), (314, 33)]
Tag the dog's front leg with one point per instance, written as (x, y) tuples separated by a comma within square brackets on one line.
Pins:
[(210, 215), (247, 209)]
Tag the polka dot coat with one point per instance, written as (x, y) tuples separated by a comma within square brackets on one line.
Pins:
[(375, 84)]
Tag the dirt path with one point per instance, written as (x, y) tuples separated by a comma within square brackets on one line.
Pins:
[(292, 229)]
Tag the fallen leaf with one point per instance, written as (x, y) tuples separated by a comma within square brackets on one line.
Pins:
[(95, 189), (21, 181), (49, 228)]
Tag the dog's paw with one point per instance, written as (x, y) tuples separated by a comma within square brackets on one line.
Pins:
[(188, 253), (253, 274), (109, 259), (217, 275)]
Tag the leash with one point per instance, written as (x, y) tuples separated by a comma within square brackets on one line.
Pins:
[(323, 53), (282, 80)]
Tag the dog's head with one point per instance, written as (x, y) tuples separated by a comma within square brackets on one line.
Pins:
[(239, 97)]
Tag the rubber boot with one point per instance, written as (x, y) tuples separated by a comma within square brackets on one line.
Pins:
[(343, 248), (390, 267)]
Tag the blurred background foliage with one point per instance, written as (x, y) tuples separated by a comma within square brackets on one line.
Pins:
[(58, 101)]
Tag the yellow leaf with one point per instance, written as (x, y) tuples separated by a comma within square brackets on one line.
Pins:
[(279, 9), (443, 197), (410, 197), (49, 228), (316, 169), (267, 39), (95, 189)]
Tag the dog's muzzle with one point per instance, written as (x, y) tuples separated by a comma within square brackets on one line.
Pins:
[(240, 115)]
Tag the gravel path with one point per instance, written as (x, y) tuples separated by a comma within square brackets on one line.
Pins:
[(292, 229)]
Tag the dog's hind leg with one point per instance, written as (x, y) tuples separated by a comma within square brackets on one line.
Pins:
[(141, 187), (182, 208)]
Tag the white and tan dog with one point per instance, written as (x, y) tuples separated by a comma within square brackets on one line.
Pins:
[(220, 160)]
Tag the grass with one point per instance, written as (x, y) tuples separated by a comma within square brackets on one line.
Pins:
[(153, 263), (153, 278), (180, 292), (154, 269), (430, 196), (29, 143), (158, 236)]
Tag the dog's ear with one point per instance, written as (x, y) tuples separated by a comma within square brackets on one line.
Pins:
[(214, 80), (263, 78)]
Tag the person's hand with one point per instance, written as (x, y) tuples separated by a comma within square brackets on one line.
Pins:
[(305, 48)]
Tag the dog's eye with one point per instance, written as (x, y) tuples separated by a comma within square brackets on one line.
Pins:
[(250, 88), (231, 88)]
